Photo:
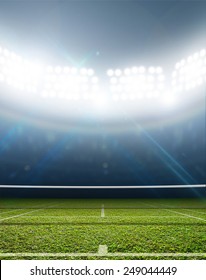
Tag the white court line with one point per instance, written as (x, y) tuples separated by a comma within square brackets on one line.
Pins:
[(19, 209), (195, 211), (11, 211), (99, 254), (147, 216), (45, 216), (189, 216), (102, 211), (110, 217), (103, 250), (180, 213), (11, 217)]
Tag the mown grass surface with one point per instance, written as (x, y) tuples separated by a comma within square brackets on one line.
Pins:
[(130, 226)]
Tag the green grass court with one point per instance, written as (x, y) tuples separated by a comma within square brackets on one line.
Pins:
[(103, 229)]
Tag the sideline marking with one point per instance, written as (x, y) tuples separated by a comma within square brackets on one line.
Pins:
[(11, 217), (180, 213), (102, 211), (103, 250), (189, 216), (103, 254), (46, 207), (196, 211), (11, 211)]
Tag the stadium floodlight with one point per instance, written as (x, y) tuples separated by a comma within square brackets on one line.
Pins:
[(18, 73), (1, 77), (6, 53), (113, 80), (71, 83), (90, 72), (49, 69), (161, 78), (95, 88), (169, 99), (66, 70), (151, 70), (136, 80), (95, 80), (118, 72), (58, 70), (74, 70), (136, 88), (122, 80), (142, 69), (202, 53), (127, 71), (159, 70), (83, 71), (110, 72), (189, 73), (115, 97)]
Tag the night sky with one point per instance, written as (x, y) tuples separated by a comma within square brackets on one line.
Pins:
[(103, 35)]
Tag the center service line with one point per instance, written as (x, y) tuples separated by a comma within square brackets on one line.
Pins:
[(102, 211)]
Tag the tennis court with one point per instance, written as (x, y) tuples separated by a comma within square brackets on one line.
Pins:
[(103, 229)]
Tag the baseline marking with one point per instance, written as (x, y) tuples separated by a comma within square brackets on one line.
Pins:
[(103, 254)]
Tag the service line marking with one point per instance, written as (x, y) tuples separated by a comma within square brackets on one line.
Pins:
[(60, 216), (111, 217)]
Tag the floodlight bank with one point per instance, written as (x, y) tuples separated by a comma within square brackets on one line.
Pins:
[(74, 84)]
